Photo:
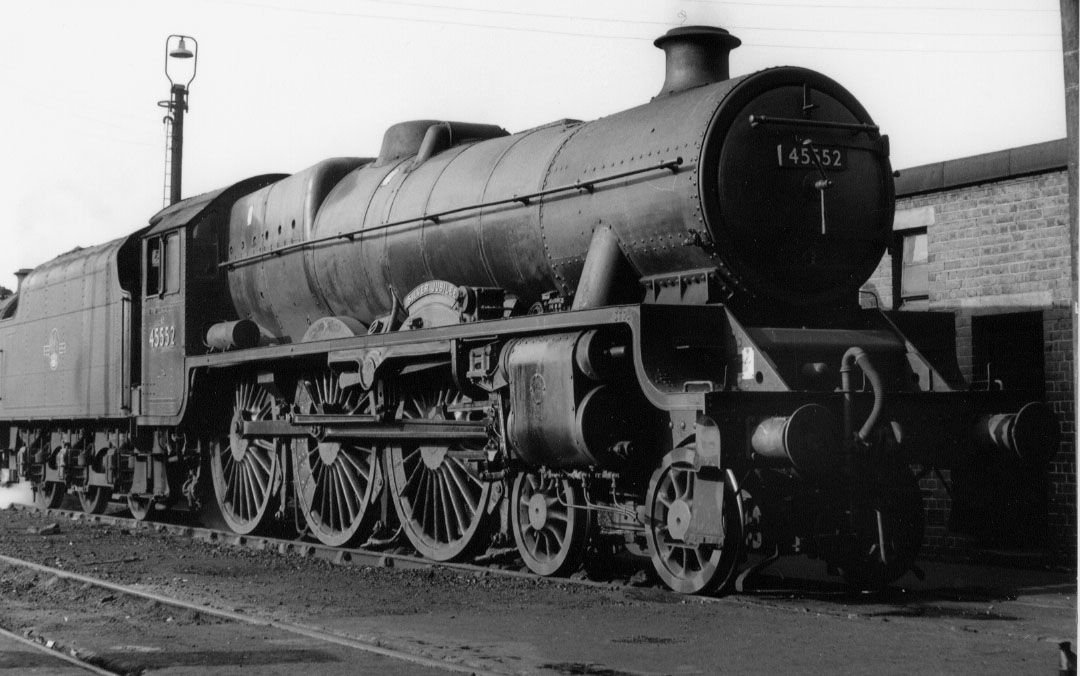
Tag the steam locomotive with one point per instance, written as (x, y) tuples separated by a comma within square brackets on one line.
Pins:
[(642, 332)]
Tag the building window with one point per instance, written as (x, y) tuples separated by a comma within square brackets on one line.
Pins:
[(914, 278)]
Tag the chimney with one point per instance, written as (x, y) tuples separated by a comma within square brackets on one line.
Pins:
[(20, 275), (696, 55)]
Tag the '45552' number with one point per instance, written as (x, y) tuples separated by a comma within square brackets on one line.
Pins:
[(163, 336), (829, 158)]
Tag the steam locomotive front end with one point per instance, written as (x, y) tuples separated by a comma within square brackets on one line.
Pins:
[(824, 408), (798, 188)]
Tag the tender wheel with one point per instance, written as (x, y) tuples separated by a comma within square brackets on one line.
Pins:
[(439, 498), (688, 568), (902, 523), (335, 481), (246, 472), (95, 499), (551, 524), (49, 494), (140, 506)]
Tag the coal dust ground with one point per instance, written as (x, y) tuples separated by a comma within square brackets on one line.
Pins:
[(963, 620)]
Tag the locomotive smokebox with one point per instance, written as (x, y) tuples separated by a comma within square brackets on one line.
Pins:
[(696, 55)]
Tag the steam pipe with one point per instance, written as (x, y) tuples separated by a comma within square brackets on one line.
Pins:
[(602, 262), (857, 356)]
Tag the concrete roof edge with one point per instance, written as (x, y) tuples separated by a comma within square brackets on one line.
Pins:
[(996, 166)]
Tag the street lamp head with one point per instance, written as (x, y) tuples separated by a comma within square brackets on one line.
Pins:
[(181, 51)]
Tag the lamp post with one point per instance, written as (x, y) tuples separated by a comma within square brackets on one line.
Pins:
[(177, 51)]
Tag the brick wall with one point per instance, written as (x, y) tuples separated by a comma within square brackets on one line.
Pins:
[(1001, 246)]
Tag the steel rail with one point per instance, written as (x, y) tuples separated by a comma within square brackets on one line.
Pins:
[(356, 555), (758, 597), (761, 597), (379, 559), (337, 555), (436, 217), (70, 659), (291, 627)]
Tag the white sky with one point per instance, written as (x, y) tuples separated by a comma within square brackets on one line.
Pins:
[(282, 84)]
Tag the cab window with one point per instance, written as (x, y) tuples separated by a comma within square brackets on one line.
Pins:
[(172, 262), (163, 264)]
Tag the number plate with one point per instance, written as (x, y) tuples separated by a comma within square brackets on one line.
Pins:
[(794, 156)]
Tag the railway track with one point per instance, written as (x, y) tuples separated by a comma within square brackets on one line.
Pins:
[(246, 580), (51, 651), (792, 589), (336, 555), (308, 631), (786, 593)]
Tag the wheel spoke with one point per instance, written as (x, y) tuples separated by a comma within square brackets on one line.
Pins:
[(251, 489), (462, 513), (431, 509), (455, 472), (359, 458), (532, 543), (450, 519), (354, 481), (419, 503), (324, 496), (232, 478), (330, 516), (413, 478), (260, 475), (469, 474), (344, 511)]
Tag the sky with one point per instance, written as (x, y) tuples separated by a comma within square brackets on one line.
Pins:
[(283, 84)]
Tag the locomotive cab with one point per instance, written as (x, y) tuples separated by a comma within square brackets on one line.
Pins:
[(184, 293), (163, 327)]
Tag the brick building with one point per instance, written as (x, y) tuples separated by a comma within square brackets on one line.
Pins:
[(988, 239)]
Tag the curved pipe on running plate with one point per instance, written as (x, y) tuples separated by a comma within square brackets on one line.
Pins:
[(857, 356)]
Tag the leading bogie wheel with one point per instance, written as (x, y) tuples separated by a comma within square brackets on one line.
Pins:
[(436, 488), (551, 523), (335, 481), (685, 567), (246, 471), (898, 519)]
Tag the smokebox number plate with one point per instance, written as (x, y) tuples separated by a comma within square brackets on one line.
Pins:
[(792, 156)]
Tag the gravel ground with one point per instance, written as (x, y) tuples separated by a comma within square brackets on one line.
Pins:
[(494, 623)]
